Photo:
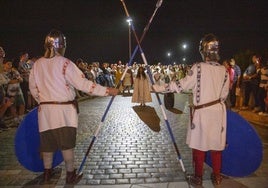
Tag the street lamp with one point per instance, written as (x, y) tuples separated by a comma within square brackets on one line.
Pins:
[(184, 46), (169, 56), (129, 20)]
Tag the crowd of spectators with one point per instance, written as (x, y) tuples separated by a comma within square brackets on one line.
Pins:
[(15, 97), (248, 89)]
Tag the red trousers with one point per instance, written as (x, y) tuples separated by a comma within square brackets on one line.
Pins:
[(199, 158)]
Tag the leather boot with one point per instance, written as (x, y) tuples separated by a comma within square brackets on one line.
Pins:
[(194, 180), (47, 174), (216, 179), (72, 177)]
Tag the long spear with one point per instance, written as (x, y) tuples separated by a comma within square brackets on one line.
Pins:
[(157, 95), (158, 4)]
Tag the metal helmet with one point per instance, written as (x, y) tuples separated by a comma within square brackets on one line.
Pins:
[(55, 43), (209, 48)]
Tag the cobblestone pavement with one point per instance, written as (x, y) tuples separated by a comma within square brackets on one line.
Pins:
[(133, 149)]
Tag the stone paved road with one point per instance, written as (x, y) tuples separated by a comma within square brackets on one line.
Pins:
[(127, 150), (133, 146)]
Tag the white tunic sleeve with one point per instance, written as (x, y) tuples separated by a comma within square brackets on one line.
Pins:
[(76, 78)]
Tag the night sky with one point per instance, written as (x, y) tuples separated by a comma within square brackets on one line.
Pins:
[(96, 30)]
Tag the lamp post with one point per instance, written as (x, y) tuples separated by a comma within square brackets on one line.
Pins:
[(184, 48), (169, 57), (129, 20)]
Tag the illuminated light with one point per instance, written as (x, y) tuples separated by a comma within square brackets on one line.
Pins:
[(129, 20), (184, 46)]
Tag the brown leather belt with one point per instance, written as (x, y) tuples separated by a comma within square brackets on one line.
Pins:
[(207, 104), (56, 102), (74, 102)]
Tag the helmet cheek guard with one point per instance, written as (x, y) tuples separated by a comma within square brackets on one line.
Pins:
[(55, 44), (209, 48)]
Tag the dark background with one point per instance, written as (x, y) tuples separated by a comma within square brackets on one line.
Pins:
[(96, 30)]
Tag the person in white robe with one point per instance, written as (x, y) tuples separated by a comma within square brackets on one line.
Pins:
[(141, 93), (209, 82), (52, 82)]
